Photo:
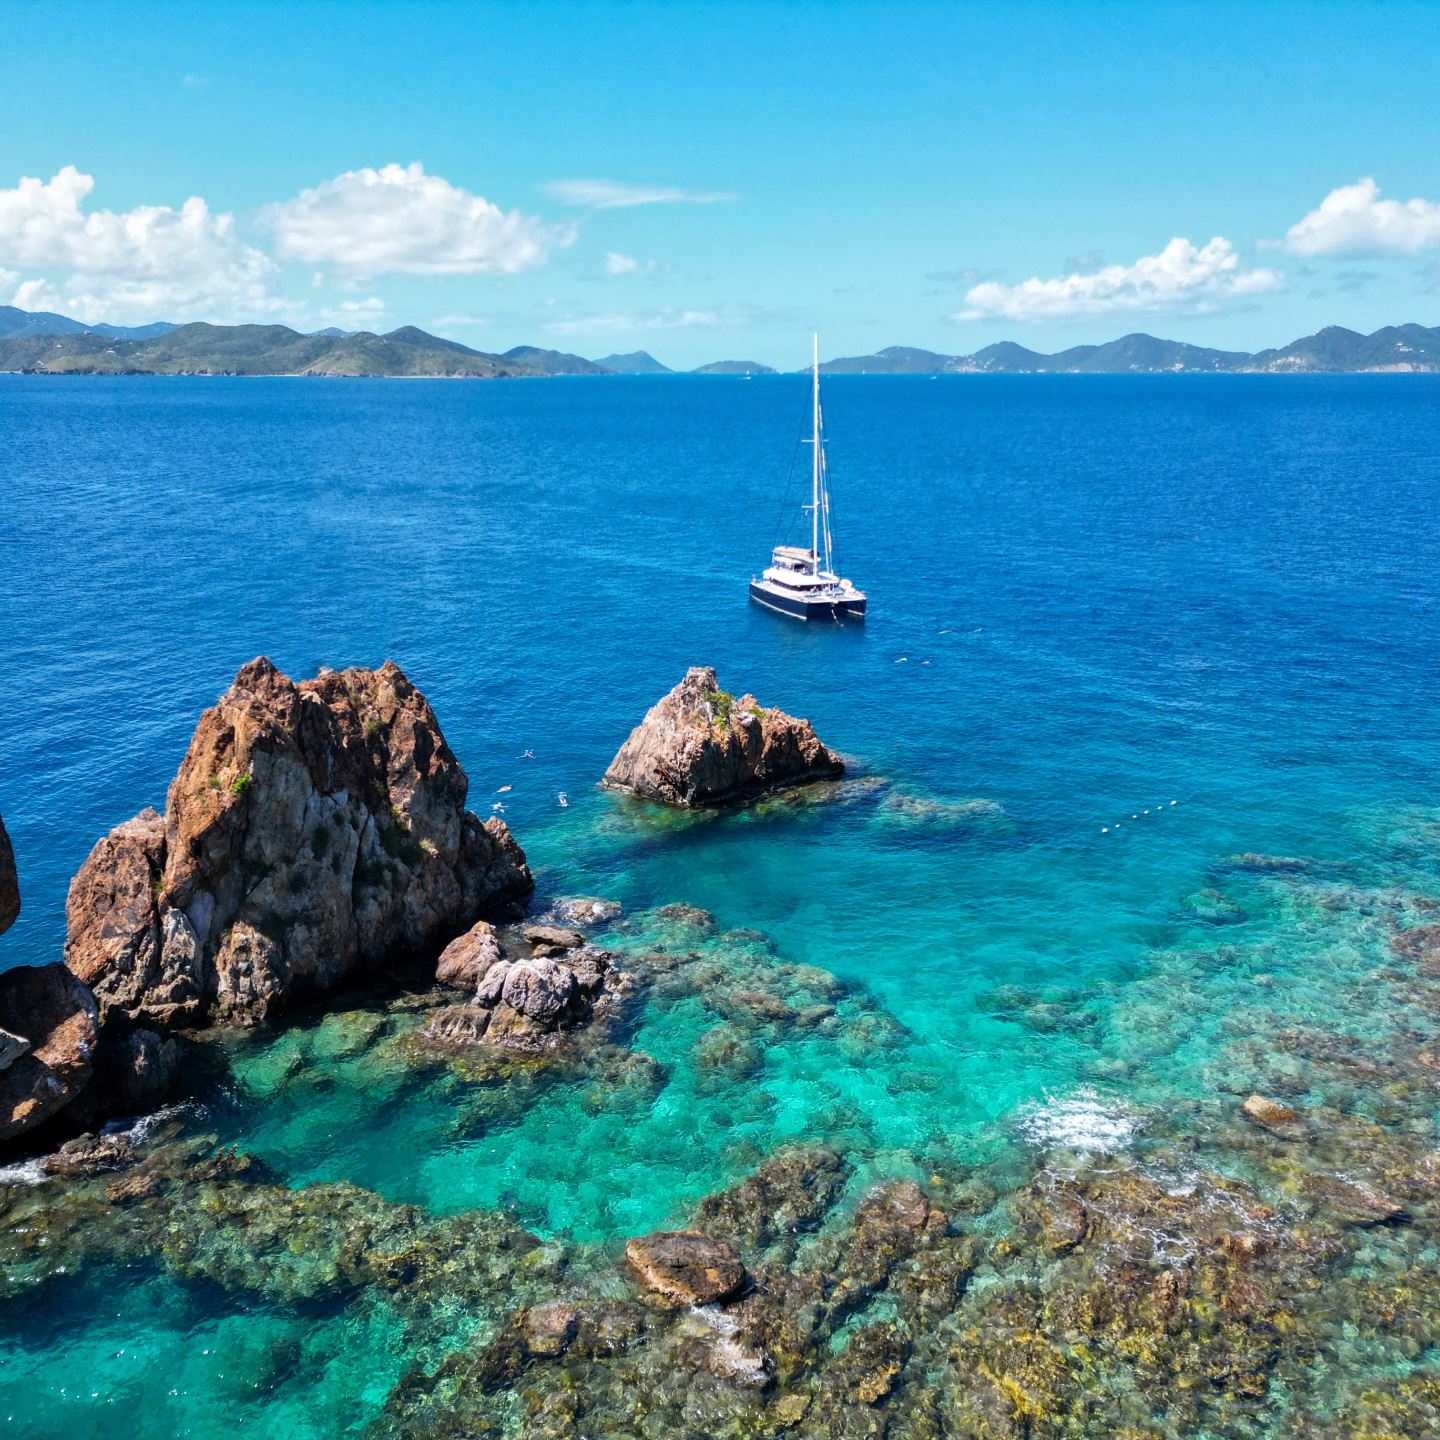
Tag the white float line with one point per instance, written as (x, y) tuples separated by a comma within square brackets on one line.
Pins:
[(1159, 810)]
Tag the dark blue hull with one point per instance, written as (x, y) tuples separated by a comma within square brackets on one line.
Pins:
[(799, 608)]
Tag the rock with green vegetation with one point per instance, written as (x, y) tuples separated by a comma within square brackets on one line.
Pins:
[(313, 830), (202, 349), (699, 745)]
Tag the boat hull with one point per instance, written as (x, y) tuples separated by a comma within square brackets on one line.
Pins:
[(800, 607)]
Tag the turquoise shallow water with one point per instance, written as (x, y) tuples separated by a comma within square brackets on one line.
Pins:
[(1212, 599)]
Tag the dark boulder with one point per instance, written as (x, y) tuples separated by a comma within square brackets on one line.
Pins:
[(48, 1007)]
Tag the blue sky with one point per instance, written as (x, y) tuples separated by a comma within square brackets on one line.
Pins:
[(713, 181)]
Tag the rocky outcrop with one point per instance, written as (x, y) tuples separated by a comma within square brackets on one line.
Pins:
[(700, 745), (528, 1003), (9, 883), (55, 1018), (313, 830)]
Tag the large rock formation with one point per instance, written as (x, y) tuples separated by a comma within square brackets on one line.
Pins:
[(49, 1028), (700, 745), (313, 829), (9, 884)]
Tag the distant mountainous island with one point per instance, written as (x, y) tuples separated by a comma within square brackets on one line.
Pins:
[(1395, 348), (47, 344)]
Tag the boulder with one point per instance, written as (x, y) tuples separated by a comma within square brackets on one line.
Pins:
[(528, 1004), (699, 745), (313, 830), (550, 940), (685, 1267), (9, 882), (465, 961), (57, 1015), (538, 988)]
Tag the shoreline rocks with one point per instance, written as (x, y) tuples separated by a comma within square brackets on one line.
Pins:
[(699, 745), (56, 1018), (313, 830), (9, 882)]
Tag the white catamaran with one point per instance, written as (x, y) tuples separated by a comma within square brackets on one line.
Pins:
[(803, 583)]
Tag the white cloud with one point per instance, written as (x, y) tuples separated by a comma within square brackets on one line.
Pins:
[(151, 261), (1179, 279), (618, 264), (398, 218), (355, 311), (664, 319), (616, 195), (1353, 221)]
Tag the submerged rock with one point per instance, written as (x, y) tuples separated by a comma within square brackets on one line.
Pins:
[(90, 1155), (9, 882), (313, 829), (685, 1267), (56, 1015), (1274, 1116), (586, 910), (699, 745)]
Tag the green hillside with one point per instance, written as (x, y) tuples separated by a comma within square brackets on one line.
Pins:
[(254, 350)]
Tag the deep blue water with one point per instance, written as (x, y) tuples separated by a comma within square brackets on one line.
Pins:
[(1090, 597)]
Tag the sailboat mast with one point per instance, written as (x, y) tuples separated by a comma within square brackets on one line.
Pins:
[(815, 463)]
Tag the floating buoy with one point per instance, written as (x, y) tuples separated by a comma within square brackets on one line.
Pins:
[(1104, 829)]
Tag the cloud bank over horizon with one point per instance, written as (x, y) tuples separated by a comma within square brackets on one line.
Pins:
[(363, 225), (149, 261), (1181, 279), (1352, 222), (398, 219)]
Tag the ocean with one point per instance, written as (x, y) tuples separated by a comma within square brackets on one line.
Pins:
[(1143, 747)]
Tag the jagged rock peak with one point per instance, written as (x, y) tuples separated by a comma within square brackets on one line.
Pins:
[(700, 745), (312, 829)]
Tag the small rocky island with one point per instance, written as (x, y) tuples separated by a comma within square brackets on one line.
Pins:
[(315, 831), (699, 745)]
